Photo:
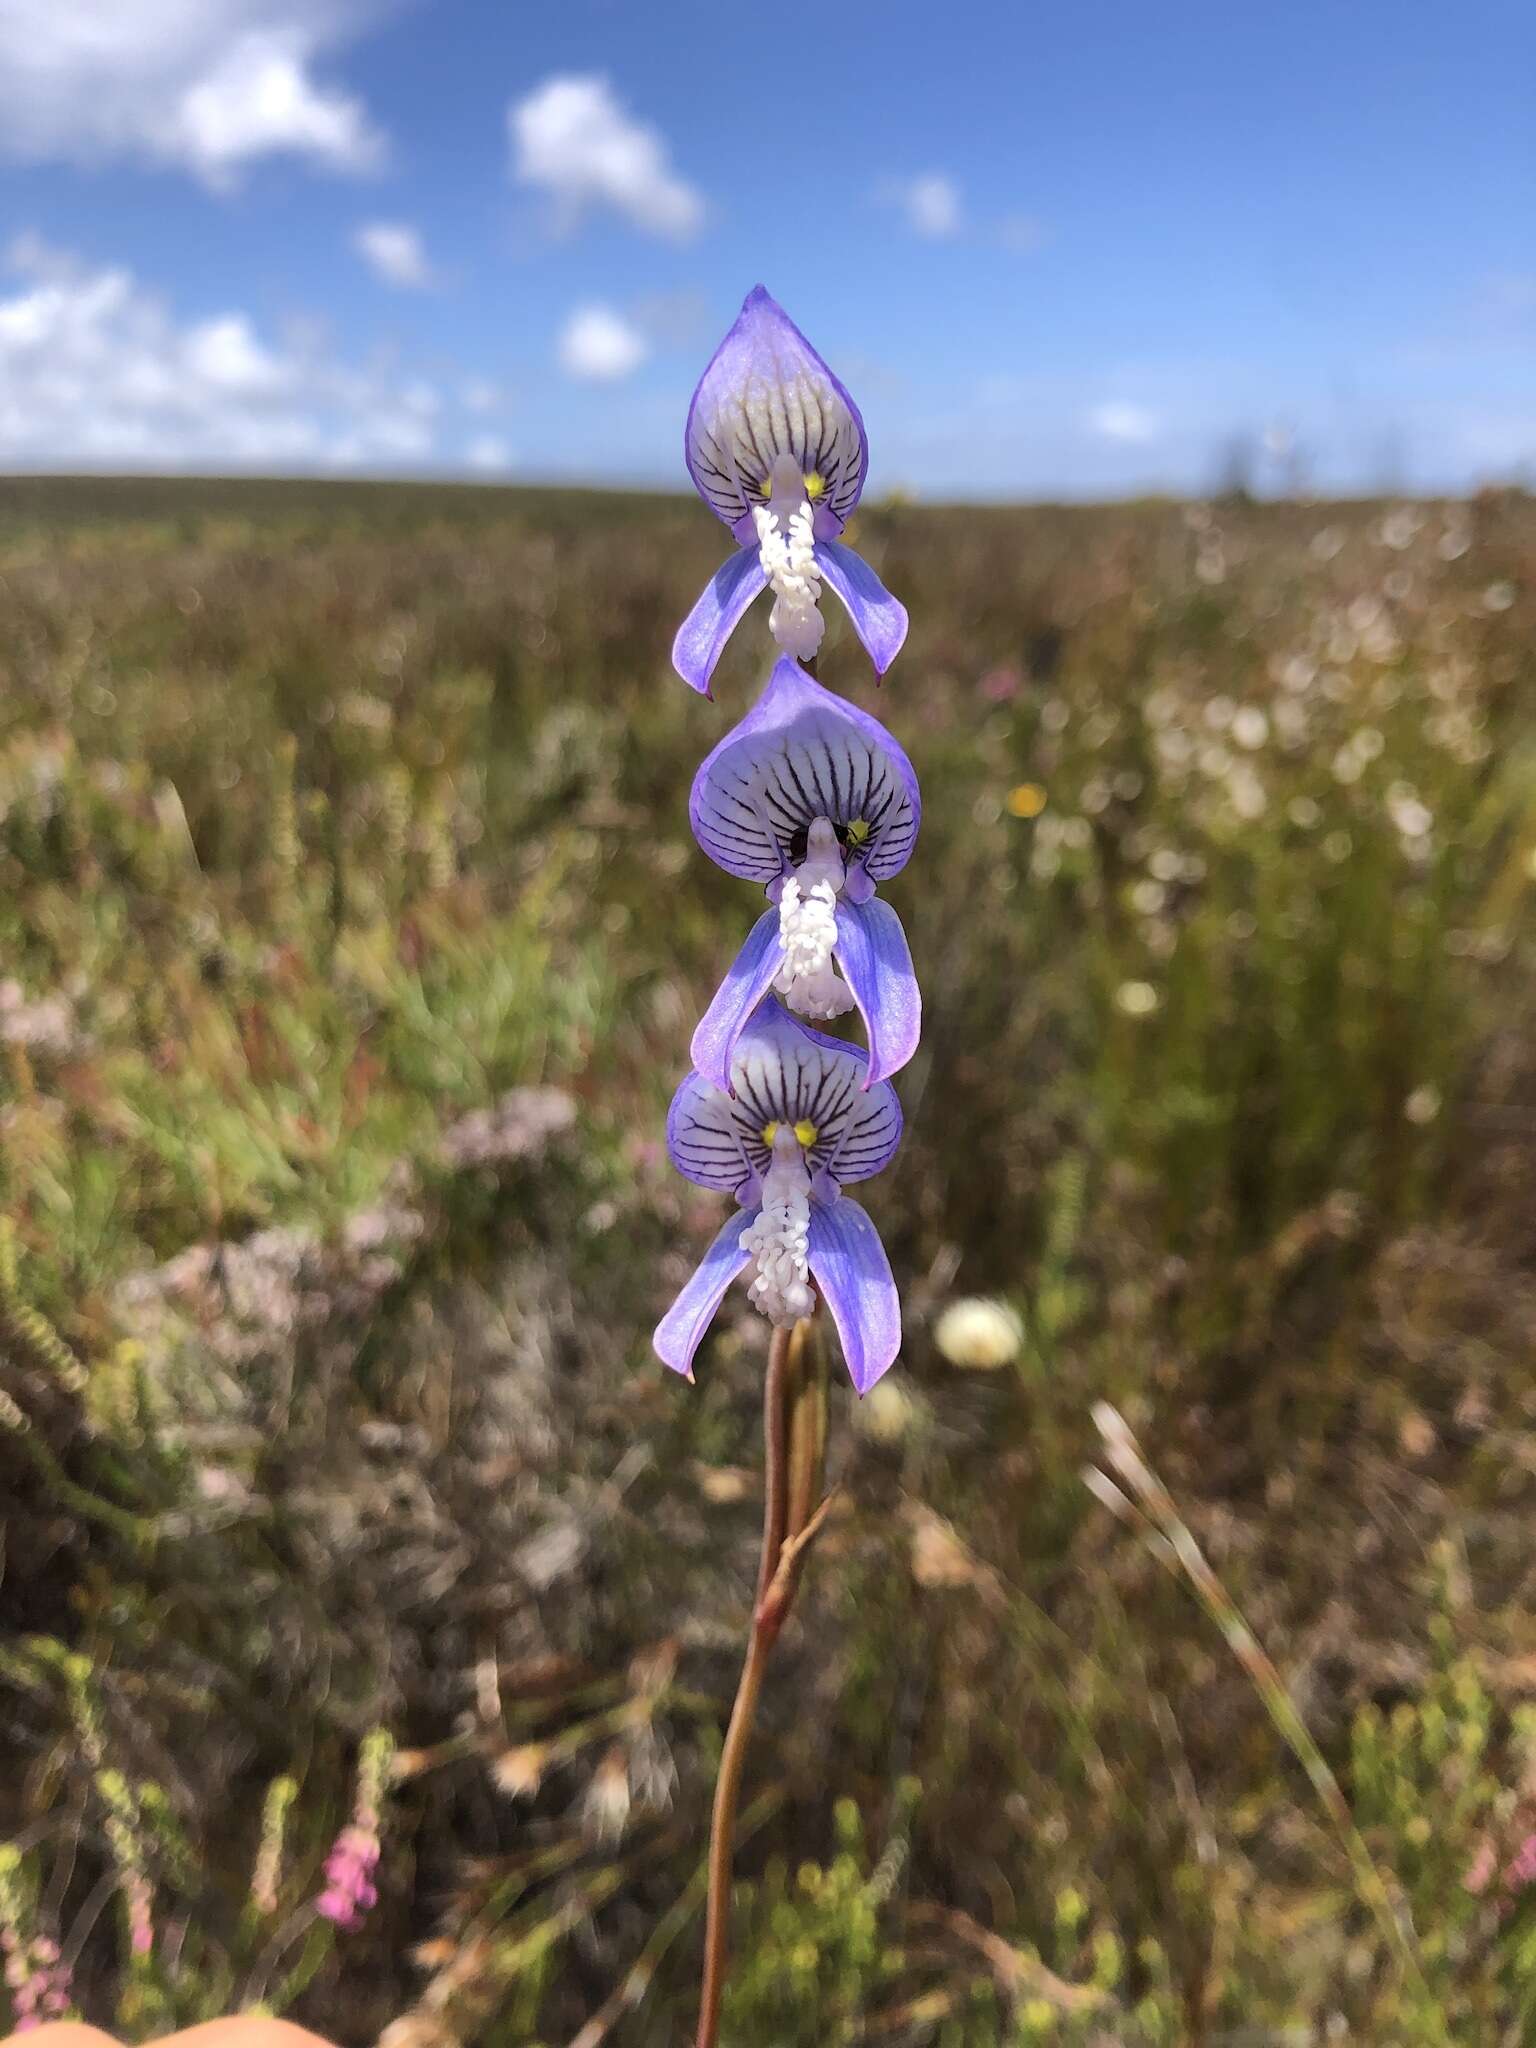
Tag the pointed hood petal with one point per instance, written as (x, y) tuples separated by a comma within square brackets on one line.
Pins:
[(802, 753), (783, 1072), (765, 393)]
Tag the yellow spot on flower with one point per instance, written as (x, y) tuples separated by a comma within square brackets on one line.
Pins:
[(770, 1132), (859, 831), (1027, 800), (806, 1133), (815, 485)]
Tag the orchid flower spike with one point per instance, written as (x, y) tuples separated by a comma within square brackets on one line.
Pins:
[(812, 797), (796, 1125), (776, 448)]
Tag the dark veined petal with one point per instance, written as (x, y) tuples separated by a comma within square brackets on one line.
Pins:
[(879, 619), (749, 980), (876, 963), (682, 1328), (802, 753), (702, 636), (783, 1072), (703, 1140), (850, 1267), (765, 393)]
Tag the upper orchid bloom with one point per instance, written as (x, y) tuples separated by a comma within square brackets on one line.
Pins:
[(776, 448), (813, 797), (795, 1126)]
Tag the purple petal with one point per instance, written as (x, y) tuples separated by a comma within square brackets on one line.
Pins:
[(703, 1139), (876, 963), (784, 1072), (682, 1328), (749, 980), (851, 1269), (879, 619), (766, 392), (799, 754), (869, 1137), (703, 634)]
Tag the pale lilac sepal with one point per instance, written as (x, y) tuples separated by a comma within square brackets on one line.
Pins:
[(702, 636), (876, 962), (850, 1267), (681, 1329)]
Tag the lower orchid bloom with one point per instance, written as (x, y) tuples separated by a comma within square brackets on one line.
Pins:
[(777, 450), (812, 797), (797, 1124)]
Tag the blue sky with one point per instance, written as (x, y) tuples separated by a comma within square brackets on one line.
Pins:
[(1073, 250)]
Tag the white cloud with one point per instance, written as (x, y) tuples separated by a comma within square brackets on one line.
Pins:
[(931, 204), (96, 371), (394, 252), (210, 85), (1118, 421), (600, 345), (479, 394), (572, 139), (487, 452)]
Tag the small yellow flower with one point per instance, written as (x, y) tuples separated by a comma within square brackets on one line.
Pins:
[(1026, 800)]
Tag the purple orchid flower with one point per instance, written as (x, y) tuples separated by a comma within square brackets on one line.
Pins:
[(814, 798), (776, 448), (796, 1125)]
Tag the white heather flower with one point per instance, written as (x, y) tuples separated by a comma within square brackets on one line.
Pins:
[(1136, 998), (979, 1335), (1423, 1105)]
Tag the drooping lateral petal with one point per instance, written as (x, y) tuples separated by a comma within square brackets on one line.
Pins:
[(851, 1269), (879, 619), (876, 963), (702, 636), (765, 393), (802, 753), (748, 981), (682, 1328)]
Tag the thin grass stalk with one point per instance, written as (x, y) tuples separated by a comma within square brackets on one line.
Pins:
[(1178, 1552)]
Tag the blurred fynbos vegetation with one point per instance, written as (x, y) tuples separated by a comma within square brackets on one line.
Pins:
[(350, 940)]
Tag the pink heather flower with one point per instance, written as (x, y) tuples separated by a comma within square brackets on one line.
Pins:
[(39, 1982), (1520, 1871), (1481, 1869), (349, 1869)]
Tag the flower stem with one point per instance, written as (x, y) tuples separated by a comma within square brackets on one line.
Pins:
[(788, 1530)]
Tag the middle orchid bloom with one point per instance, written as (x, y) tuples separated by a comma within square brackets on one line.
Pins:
[(814, 798), (776, 448)]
